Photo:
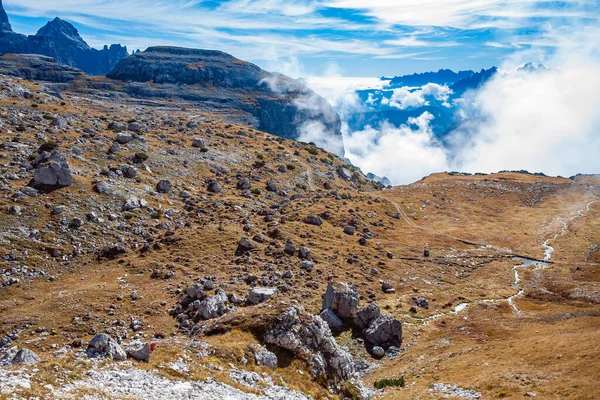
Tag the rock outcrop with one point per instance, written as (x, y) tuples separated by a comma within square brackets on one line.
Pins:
[(60, 40), (52, 171), (310, 339), (277, 104), (103, 345)]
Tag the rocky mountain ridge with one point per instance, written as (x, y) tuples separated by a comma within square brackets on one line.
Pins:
[(60, 40), (214, 81)]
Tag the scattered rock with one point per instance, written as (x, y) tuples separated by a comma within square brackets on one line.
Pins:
[(129, 171), (25, 357), (141, 353), (163, 186), (349, 230), (133, 202), (259, 295), (198, 143), (314, 220), (124, 137), (384, 331), (103, 345), (378, 352), (52, 170), (387, 287)]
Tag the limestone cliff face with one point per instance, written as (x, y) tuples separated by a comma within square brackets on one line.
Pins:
[(60, 40), (280, 105)]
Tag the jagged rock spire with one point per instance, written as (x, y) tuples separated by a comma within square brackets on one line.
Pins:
[(4, 23)]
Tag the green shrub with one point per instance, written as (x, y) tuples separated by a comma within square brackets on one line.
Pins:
[(291, 167), (256, 191), (389, 382), (140, 157), (156, 215), (312, 150), (260, 164), (48, 117), (48, 146), (20, 128), (204, 149), (260, 156)]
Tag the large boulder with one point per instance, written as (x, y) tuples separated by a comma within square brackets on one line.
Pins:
[(310, 339), (335, 324), (341, 298), (52, 170), (366, 315), (103, 345), (384, 331), (25, 357), (262, 356), (259, 295), (213, 306), (141, 353)]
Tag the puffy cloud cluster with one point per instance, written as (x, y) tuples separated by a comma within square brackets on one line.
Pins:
[(403, 154), (538, 120), (406, 97)]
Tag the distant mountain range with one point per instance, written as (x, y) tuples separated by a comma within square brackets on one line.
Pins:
[(60, 40), (433, 92)]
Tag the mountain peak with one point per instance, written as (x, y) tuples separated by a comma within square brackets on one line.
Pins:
[(531, 67), (58, 28), (4, 23)]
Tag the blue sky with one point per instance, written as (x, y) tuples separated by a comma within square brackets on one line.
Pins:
[(355, 37)]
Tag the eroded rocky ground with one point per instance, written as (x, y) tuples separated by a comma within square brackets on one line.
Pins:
[(205, 249)]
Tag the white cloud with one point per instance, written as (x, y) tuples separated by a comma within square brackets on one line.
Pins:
[(404, 154), (407, 97), (545, 121), (412, 41), (464, 14)]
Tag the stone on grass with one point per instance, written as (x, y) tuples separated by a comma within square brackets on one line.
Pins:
[(342, 298), (140, 353), (103, 345), (259, 295), (384, 331), (25, 357)]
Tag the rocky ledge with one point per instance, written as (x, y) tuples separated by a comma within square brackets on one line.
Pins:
[(278, 104)]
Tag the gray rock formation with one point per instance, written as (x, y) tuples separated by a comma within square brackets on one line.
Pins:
[(25, 357), (103, 345), (60, 40), (262, 356), (341, 298), (141, 353), (335, 324), (384, 331), (259, 295), (277, 104), (310, 338), (213, 306), (366, 315), (51, 170)]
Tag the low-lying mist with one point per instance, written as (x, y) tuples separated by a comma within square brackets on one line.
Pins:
[(541, 121)]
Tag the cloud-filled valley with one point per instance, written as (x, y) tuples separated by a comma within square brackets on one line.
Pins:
[(540, 120)]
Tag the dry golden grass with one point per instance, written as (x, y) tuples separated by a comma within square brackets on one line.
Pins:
[(550, 349)]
